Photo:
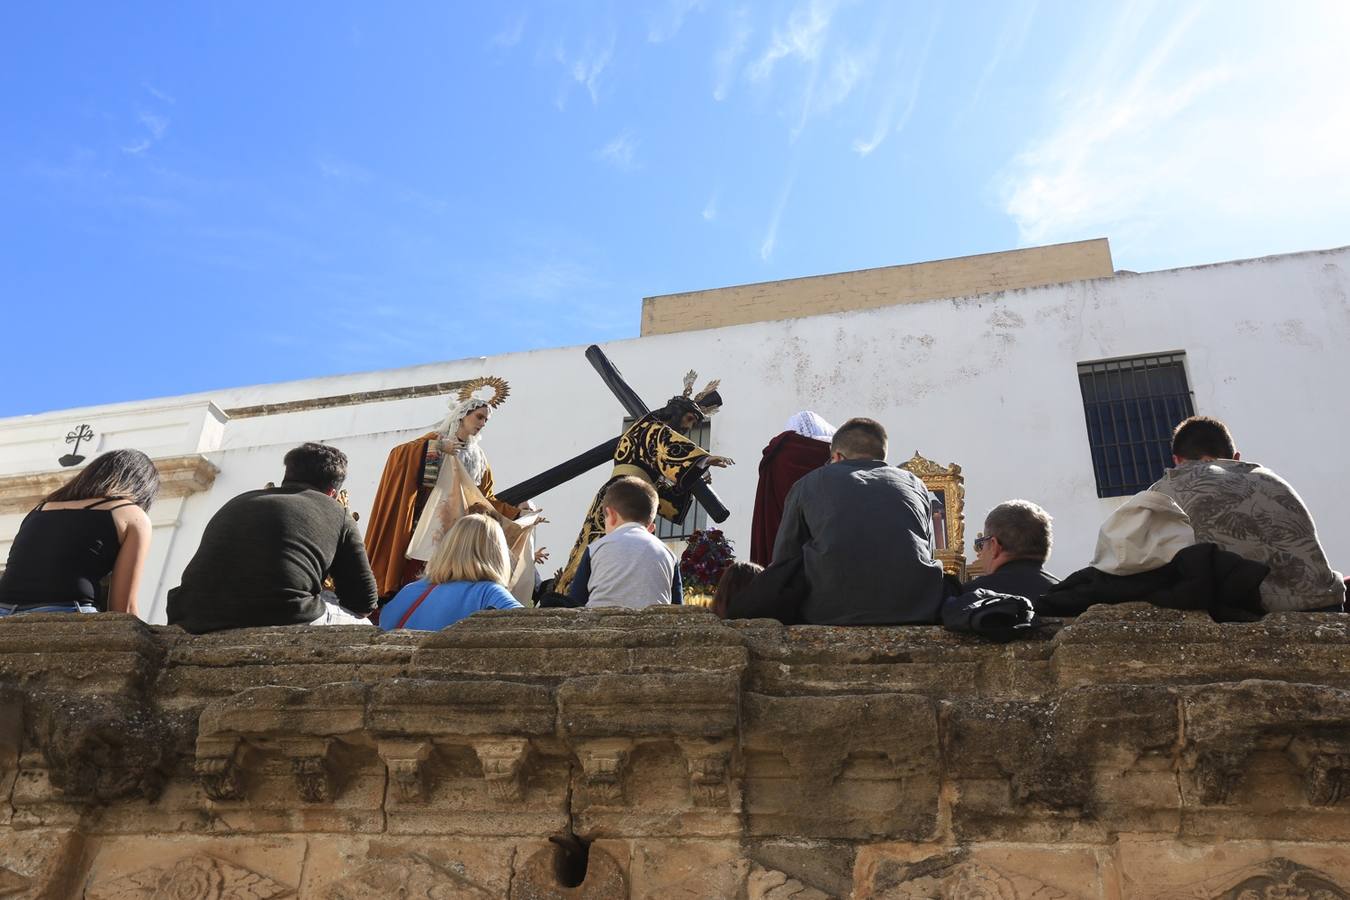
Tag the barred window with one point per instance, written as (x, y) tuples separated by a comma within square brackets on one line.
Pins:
[(695, 518), (1131, 406)]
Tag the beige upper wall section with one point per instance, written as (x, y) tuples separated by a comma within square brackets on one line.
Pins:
[(817, 295)]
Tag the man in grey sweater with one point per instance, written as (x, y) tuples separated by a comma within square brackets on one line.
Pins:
[(863, 532)]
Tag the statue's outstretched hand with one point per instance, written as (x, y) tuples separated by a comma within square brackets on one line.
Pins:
[(721, 462), (541, 555)]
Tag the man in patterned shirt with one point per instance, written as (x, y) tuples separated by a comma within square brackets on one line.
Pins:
[(1247, 509)]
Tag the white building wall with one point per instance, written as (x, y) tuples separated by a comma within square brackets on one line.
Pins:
[(989, 382)]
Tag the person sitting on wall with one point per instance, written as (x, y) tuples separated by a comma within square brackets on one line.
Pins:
[(469, 572), (1013, 550), (628, 566), (1247, 509), (855, 545), (264, 555), (735, 579), (95, 525)]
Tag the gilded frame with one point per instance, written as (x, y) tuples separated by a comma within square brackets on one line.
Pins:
[(951, 485)]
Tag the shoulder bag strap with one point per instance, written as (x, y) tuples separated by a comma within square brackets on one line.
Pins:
[(412, 609)]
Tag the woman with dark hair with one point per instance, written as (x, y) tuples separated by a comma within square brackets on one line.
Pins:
[(95, 525)]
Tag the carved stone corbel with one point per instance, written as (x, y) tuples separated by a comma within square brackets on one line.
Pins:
[(406, 761), (1218, 773), (602, 765), (503, 762), (1327, 778), (221, 767), (316, 773), (708, 770)]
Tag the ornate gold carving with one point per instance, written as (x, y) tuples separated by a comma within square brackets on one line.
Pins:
[(500, 389), (194, 877), (950, 485)]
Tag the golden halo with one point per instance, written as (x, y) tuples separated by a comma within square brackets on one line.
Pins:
[(500, 389)]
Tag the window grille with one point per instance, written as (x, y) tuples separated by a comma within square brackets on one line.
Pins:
[(695, 518), (1131, 406)]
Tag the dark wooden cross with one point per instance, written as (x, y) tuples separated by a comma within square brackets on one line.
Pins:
[(603, 453)]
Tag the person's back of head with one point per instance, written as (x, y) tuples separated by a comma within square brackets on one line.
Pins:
[(632, 500), (859, 438), (1202, 437), (319, 466), (1022, 528), (735, 578), (128, 474), (474, 549)]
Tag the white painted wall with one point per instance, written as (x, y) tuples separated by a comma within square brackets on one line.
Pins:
[(990, 382)]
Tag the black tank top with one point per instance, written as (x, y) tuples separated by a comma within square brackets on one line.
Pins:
[(60, 555)]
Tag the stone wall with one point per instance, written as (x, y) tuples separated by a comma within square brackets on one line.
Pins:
[(1135, 752)]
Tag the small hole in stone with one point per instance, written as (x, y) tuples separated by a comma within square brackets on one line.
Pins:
[(570, 856)]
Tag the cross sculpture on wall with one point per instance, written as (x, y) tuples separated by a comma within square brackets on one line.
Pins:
[(603, 453)]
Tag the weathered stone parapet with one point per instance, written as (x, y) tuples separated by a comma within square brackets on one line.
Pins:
[(1131, 752)]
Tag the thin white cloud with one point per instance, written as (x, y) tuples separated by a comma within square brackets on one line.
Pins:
[(156, 125), (729, 55), (511, 33), (667, 21), (159, 95), (800, 37), (770, 242), (1210, 129), (710, 209), (621, 152), (905, 84), (341, 170), (1011, 39), (586, 67)]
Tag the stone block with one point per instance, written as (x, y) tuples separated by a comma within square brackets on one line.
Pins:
[(111, 653), (428, 868), (40, 863), (409, 706), (701, 705), (858, 767), (1136, 643), (687, 870), (919, 872), (137, 868), (1159, 866)]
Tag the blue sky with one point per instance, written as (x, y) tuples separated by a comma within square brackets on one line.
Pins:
[(210, 194)]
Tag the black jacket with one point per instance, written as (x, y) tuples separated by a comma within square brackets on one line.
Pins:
[(1199, 577), (1019, 577)]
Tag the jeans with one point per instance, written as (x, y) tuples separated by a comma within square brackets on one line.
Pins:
[(12, 609)]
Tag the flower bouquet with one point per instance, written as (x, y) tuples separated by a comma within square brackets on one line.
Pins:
[(706, 556)]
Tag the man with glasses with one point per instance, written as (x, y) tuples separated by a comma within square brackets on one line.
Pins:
[(1013, 550)]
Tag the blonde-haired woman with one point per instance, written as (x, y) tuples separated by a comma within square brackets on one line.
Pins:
[(468, 572)]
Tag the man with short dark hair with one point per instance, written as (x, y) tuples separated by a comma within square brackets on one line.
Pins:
[(1247, 509), (265, 554), (628, 566), (1013, 550), (862, 532)]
